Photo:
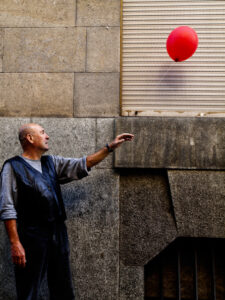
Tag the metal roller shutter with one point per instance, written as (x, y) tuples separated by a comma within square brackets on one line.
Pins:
[(153, 84)]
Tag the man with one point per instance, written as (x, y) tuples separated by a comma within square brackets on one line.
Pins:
[(32, 208)]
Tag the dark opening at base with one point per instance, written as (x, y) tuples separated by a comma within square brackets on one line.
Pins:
[(190, 268)]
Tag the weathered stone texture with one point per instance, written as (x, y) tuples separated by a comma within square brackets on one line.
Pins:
[(44, 50), (36, 95), (147, 224), (103, 49), (7, 280), (1, 42), (192, 143), (105, 134), (199, 202), (9, 142), (69, 137), (36, 13), (98, 13), (93, 224), (131, 282), (96, 95), (1, 48)]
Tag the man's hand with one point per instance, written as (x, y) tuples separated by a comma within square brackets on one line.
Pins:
[(17, 250), (120, 139), (18, 254)]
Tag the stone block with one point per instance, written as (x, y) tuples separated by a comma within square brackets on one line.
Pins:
[(105, 134), (39, 94), (9, 142), (96, 95), (69, 137), (131, 282), (44, 50), (147, 223), (93, 224), (1, 42), (103, 49), (36, 13), (199, 202), (1, 48), (188, 143), (98, 13)]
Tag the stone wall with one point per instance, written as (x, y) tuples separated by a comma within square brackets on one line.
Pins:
[(59, 58)]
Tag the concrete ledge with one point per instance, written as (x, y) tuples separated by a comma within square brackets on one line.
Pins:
[(186, 143)]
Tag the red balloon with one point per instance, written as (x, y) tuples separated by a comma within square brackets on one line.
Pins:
[(182, 43)]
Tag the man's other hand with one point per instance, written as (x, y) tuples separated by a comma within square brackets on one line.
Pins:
[(18, 254)]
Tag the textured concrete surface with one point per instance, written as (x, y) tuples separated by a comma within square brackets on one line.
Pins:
[(1, 48), (36, 13), (131, 282), (1, 42), (69, 137), (9, 143), (93, 225), (147, 224), (191, 143), (199, 202), (98, 13), (96, 95), (103, 49), (44, 50), (40, 94), (105, 134), (7, 280)]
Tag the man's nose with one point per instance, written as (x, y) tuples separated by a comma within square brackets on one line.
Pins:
[(47, 137)]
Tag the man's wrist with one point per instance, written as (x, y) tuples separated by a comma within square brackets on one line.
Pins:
[(108, 148)]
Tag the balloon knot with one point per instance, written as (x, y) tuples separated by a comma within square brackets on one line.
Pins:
[(176, 59)]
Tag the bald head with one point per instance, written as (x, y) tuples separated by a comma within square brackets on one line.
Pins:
[(26, 129)]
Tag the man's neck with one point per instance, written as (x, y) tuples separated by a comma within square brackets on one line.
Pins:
[(32, 155)]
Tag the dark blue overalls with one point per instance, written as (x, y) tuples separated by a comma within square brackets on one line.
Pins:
[(42, 231)]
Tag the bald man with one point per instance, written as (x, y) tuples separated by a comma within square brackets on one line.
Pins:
[(32, 209)]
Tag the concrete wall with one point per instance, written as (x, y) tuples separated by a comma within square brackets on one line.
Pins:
[(60, 67)]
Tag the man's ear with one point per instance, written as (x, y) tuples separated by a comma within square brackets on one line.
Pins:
[(30, 138)]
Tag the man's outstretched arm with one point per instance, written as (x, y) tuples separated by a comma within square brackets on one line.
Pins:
[(97, 157)]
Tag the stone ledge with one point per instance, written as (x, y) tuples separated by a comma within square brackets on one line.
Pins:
[(186, 143)]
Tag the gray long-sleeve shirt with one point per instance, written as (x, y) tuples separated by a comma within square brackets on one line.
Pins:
[(67, 169)]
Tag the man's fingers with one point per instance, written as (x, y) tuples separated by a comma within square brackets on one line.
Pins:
[(126, 136)]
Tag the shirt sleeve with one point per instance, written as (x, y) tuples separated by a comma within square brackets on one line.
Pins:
[(69, 169), (8, 193)]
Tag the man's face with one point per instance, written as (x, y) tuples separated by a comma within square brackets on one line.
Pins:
[(40, 138)]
